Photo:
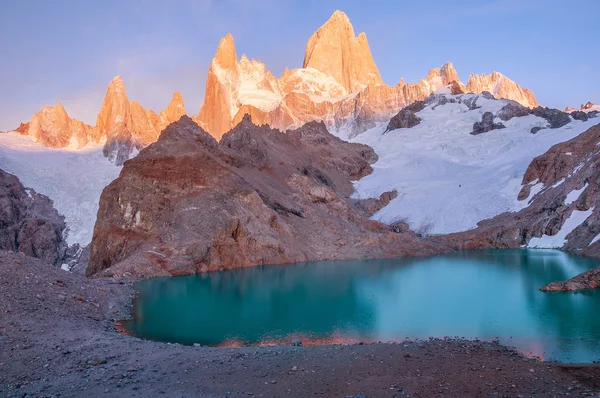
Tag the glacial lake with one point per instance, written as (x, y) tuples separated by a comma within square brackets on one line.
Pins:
[(475, 294)]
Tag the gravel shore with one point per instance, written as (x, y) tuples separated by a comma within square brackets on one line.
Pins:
[(58, 337)]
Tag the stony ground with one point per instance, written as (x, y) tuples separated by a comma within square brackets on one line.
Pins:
[(58, 338)]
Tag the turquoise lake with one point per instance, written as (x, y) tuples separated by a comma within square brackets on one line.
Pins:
[(476, 294)]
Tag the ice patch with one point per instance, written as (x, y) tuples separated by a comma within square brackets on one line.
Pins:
[(559, 240), (72, 179), (575, 194)]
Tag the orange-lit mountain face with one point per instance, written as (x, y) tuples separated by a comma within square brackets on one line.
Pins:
[(339, 84)]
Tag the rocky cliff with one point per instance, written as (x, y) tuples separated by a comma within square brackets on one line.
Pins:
[(189, 204), (29, 223)]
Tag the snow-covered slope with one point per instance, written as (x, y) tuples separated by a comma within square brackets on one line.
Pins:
[(447, 179), (73, 179)]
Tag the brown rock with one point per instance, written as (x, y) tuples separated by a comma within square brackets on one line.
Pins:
[(583, 281), (189, 204), (28, 222)]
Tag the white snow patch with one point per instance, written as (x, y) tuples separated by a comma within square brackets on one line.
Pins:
[(73, 179), (447, 179), (557, 183), (574, 194), (65, 267), (596, 239), (557, 241)]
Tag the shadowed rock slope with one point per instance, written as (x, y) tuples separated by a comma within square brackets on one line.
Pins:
[(189, 204), (28, 222)]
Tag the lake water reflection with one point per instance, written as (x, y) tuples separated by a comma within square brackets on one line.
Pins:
[(475, 294)]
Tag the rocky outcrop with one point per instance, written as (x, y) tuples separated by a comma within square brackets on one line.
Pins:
[(486, 124), (563, 211), (28, 222), (404, 119), (555, 117), (189, 204), (583, 281), (501, 87), (52, 127), (512, 109)]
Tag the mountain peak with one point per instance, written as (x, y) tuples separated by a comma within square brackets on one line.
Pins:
[(501, 87), (448, 73), (226, 56), (334, 50), (340, 19)]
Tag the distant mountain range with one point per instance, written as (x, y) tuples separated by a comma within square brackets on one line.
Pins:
[(339, 84)]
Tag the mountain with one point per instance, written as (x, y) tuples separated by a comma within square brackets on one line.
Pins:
[(588, 107), (53, 128), (127, 125), (188, 204), (122, 124), (338, 84), (501, 86), (335, 51), (456, 160), (558, 203)]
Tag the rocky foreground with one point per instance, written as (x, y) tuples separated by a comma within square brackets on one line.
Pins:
[(58, 338)]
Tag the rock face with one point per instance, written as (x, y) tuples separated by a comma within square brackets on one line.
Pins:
[(53, 128), (405, 119), (486, 124), (563, 209), (189, 204), (501, 87), (334, 50), (583, 281), (28, 222)]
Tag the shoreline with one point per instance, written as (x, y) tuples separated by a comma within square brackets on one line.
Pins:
[(57, 338)]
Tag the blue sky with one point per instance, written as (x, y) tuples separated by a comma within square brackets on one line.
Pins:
[(69, 50)]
